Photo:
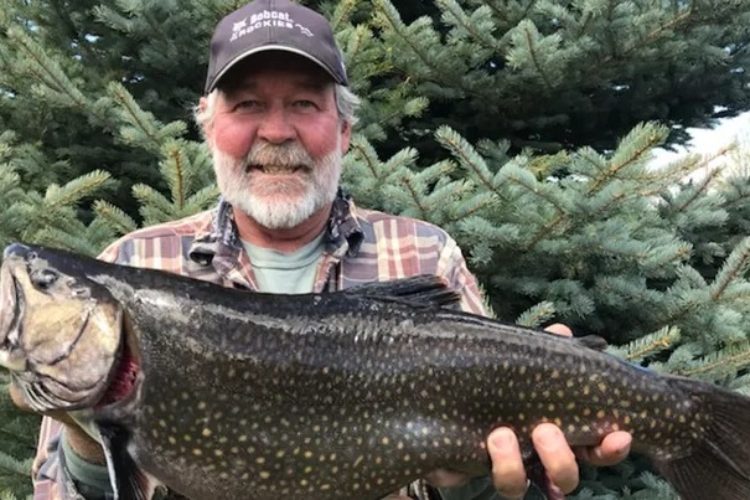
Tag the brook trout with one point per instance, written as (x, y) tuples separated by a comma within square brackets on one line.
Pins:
[(220, 393)]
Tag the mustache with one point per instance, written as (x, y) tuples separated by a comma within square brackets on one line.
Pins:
[(290, 154)]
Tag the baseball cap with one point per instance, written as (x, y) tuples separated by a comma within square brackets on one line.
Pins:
[(273, 25)]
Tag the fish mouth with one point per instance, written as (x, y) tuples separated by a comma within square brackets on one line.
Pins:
[(11, 315), (124, 377)]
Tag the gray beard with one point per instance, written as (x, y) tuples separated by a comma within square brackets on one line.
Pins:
[(284, 204)]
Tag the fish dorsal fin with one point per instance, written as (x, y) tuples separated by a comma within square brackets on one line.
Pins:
[(426, 290), (592, 342)]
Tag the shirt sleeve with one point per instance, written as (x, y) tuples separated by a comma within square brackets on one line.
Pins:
[(452, 266), (45, 469)]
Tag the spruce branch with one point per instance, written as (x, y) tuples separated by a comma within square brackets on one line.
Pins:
[(110, 17), (546, 230), (501, 11), (648, 345), (155, 207), (390, 17), (587, 156), (47, 71), (342, 13), (115, 216), (537, 315), (407, 181), (141, 121), (734, 268), (532, 35), (175, 171), (357, 40), (454, 14), (12, 465), (632, 149), (526, 180), (203, 198), (467, 156), (699, 190), (719, 364), (76, 241), (75, 190), (476, 203), (367, 153), (653, 36), (682, 167)]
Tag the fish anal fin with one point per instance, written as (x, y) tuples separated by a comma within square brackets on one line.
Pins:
[(128, 481), (425, 290)]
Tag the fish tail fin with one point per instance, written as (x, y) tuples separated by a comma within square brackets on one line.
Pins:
[(719, 466)]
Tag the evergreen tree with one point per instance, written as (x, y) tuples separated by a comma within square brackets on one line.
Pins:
[(477, 116), (558, 74)]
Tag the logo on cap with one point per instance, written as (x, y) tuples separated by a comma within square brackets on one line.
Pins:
[(267, 19)]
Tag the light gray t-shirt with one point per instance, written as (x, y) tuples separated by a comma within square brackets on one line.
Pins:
[(285, 272)]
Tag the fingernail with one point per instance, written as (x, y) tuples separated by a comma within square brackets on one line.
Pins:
[(548, 437), (502, 438)]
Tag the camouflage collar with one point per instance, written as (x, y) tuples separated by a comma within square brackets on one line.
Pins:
[(343, 233)]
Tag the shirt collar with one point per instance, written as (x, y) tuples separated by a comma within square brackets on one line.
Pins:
[(343, 232)]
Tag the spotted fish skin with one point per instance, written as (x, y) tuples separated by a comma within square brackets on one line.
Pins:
[(354, 394)]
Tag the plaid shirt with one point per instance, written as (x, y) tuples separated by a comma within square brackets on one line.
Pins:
[(361, 246)]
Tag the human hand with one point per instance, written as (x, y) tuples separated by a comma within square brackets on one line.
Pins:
[(84, 445), (557, 457), (555, 454)]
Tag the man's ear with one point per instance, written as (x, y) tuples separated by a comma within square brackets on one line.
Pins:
[(346, 135), (205, 125)]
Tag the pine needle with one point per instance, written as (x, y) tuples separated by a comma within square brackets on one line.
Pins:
[(648, 345), (537, 315)]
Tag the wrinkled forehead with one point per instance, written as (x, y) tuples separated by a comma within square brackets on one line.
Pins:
[(279, 65)]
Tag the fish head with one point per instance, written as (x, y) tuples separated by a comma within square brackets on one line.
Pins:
[(60, 332)]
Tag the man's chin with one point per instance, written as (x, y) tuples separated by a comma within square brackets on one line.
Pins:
[(279, 211)]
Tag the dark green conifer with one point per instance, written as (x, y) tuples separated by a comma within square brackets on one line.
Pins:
[(523, 127)]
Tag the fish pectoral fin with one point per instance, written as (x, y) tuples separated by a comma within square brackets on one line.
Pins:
[(594, 342), (425, 290), (128, 481)]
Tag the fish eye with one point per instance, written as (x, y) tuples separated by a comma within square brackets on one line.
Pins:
[(44, 278), (81, 293)]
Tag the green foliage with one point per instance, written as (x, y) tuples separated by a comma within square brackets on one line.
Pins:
[(565, 74), (520, 126), (17, 444)]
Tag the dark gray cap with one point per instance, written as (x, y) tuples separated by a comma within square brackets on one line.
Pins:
[(273, 25)]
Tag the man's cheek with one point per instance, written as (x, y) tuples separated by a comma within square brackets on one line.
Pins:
[(234, 140)]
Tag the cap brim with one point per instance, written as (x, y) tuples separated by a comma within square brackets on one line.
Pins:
[(266, 48)]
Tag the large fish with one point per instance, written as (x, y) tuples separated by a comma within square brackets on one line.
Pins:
[(219, 393)]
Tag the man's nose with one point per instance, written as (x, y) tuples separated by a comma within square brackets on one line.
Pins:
[(276, 127)]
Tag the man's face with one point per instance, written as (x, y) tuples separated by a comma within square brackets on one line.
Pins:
[(277, 139)]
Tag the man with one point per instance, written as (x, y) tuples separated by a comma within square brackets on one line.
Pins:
[(277, 117)]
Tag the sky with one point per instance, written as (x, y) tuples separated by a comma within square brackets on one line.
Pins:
[(708, 141)]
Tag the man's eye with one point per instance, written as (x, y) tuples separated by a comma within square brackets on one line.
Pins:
[(248, 104), (304, 104)]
